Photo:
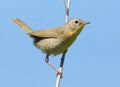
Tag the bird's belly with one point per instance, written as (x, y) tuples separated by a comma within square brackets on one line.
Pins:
[(51, 46)]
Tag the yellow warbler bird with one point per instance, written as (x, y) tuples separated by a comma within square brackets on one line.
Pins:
[(54, 41)]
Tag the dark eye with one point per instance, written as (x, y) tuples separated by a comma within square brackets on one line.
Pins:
[(76, 22)]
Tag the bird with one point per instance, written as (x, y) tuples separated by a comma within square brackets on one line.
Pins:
[(54, 41)]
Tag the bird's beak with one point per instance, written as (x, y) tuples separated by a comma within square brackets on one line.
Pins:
[(86, 22)]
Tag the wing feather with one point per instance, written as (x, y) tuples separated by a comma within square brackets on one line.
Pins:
[(50, 33)]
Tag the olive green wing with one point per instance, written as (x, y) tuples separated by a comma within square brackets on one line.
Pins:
[(50, 33)]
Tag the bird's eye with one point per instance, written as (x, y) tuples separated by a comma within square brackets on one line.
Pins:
[(76, 22)]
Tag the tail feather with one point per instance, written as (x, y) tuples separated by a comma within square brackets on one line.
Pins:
[(22, 25)]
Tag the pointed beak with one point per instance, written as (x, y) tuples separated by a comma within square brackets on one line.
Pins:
[(85, 22)]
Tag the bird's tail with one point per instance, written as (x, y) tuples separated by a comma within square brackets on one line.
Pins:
[(22, 25)]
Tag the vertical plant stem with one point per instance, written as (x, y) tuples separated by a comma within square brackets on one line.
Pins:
[(64, 53)]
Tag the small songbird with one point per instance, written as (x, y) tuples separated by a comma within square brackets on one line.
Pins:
[(54, 41)]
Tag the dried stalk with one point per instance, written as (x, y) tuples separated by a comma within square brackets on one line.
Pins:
[(64, 53)]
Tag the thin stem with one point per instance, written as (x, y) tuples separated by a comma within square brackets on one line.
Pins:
[(60, 69), (63, 58), (64, 53), (67, 7)]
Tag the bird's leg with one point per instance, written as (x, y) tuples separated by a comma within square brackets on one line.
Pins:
[(47, 61)]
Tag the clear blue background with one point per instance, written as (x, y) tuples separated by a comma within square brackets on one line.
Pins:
[(92, 61)]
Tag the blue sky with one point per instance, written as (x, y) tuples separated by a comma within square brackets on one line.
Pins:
[(92, 61)]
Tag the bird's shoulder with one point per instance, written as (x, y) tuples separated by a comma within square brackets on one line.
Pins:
[(51, 32)]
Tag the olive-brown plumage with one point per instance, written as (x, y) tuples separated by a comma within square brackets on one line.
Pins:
[(56, 40)]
